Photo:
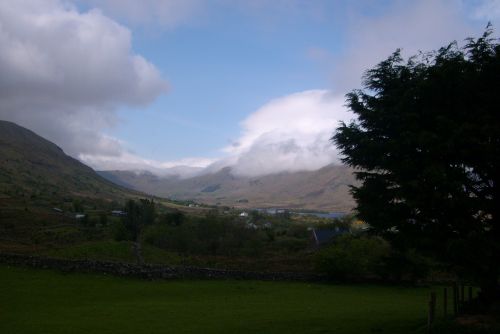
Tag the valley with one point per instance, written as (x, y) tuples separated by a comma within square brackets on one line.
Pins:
[(326, 189)]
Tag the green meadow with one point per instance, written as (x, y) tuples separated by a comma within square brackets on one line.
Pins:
[(45, 301)]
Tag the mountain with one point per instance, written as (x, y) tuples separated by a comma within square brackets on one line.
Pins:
[(33, 167), (324, 189)]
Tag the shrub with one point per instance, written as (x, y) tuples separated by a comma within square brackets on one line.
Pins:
[(103, 219), (407, 265), (120, 232), (353, 257), (174, 218), (207, 236), (298, 231), (290, 244)]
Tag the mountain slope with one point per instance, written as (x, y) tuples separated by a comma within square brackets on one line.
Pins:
[(324, 189), (42, 189), (33, 166)]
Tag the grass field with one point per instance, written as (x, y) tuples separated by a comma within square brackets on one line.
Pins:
[(44, 301), (110, 250)]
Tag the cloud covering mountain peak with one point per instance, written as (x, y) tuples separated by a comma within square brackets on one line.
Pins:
[(290, 133)]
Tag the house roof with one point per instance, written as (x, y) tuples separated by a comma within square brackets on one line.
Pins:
[(322, 236)]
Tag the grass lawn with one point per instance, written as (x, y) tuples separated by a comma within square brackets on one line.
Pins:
[(44, 301), (109, 250)]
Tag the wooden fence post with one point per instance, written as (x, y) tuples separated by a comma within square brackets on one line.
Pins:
[(455, 299), (445, 302), (432, 311), (462, 295)]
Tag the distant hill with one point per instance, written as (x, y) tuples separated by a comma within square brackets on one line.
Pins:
[(31, 167), (325, 189)]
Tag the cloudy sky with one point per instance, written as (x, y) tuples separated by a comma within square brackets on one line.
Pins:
[(253, 84)]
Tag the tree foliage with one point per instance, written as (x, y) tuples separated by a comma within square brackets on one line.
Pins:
[(210, 235), (138, 215), (354, 258), (174, 218), (426, 149)]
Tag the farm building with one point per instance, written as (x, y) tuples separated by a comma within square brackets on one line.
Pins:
[(118, 213), (325, 236)]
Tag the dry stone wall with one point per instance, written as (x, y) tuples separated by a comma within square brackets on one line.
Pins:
[(150, 271)]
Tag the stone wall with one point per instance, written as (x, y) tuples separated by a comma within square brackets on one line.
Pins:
[(150, 271)]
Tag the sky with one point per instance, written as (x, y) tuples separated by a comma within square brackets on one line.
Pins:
[(191, 86)]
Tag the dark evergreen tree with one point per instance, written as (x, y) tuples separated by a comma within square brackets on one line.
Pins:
[(426, 149), (174, 218), (138, 215)]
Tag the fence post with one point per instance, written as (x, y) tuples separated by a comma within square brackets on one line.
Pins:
[(455, 299), (470, 294), (432, 311), (462, 295), (445, 302)]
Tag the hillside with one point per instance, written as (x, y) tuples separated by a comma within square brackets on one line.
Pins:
[(42, 189), (36, 176), (31, 166), (324, 189)]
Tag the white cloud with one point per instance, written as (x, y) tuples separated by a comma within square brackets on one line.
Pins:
[(63, 73), (412, 26), (172, 13), (128, 161), (488, 9), (290, 133), (167, 13)]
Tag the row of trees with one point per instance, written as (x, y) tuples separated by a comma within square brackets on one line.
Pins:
[(212, 234)]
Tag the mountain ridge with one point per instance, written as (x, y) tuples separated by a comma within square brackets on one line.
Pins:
[(325, 189)]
